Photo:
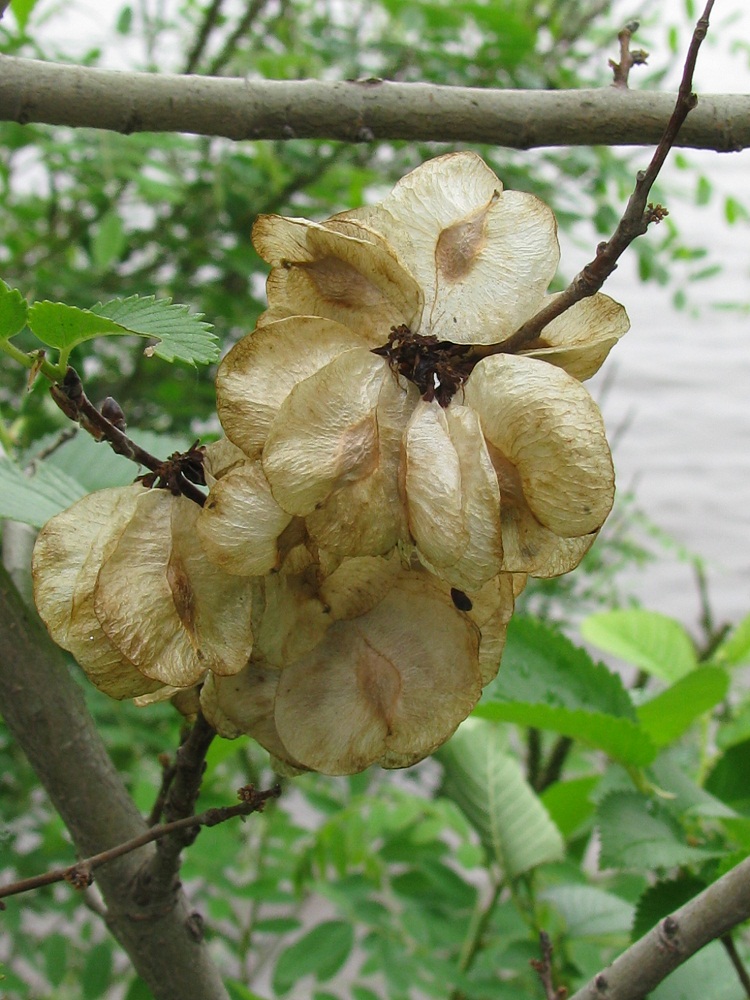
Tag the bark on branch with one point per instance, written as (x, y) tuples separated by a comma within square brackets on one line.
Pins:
[(45, 711), (708, 916), (358, 111)]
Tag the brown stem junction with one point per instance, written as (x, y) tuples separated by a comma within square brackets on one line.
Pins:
[(179, 473)]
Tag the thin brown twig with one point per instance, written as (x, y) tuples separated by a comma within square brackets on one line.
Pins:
[(179, 802), (636, 218), (543, 968), (243, 26), (554, 766), (734, 958), (168, 771), (628, 57), (75, 404), (207, 25), (80, 875)]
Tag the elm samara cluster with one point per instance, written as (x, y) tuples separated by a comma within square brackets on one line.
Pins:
[(386, 484)]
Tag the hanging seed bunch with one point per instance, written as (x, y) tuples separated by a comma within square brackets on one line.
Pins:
[(389, 478)]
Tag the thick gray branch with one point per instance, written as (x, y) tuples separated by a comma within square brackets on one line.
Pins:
[(708, 916), (44, 709), (362, 111)]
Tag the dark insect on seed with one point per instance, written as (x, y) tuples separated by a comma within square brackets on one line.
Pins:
[(460, 599)]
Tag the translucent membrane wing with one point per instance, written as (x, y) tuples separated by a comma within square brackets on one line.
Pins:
[(581, 338), (240, 525), (482, 558), (164, 605), (548, 428), (67, 557), (483, 257), (261, 370), (219, 458), (294, 619), (452, 494), (358, 585), (389, 685), (491, 610), (326, 432), (366, 516), (433, 487), (318, 271), (244, 704)]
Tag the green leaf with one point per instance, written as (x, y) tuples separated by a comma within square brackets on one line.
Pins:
[(22, 11), (108, 242), (736, 729), (124, 21), (729, 779), (321, 952), (569, 803), (589, 911), (703, 191), (734, 210), (55, 949), (686, 796), (549, 683), (489, 787), (667, 716), (62, 326), (13, 310), (181, 336), (34, 500), (734, 651), (659, 900), (97, 972), (640, 833), (139, 991), (237, 991), (655, 643)]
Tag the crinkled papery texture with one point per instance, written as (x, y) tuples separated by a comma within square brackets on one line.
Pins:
[(164, 605), (219, 458), (240, 524), (386, 687), (68, 554), (366, 515), (491, 610), (452, 495), (580, 339), (483, 257), (327, 435), (318, 271), (547, 443), (357, 585), (261, 370)]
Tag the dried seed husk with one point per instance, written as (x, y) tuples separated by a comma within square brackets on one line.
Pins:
[(261, 370), (240, 524), (390, 685), (67, 557), (548, 428), (165, 606)]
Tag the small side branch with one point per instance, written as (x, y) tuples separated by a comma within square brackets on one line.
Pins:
[(636, 219), (707, 917), (80, 875), (628, 57), (179, 803), (543, 968), (107, 425)]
